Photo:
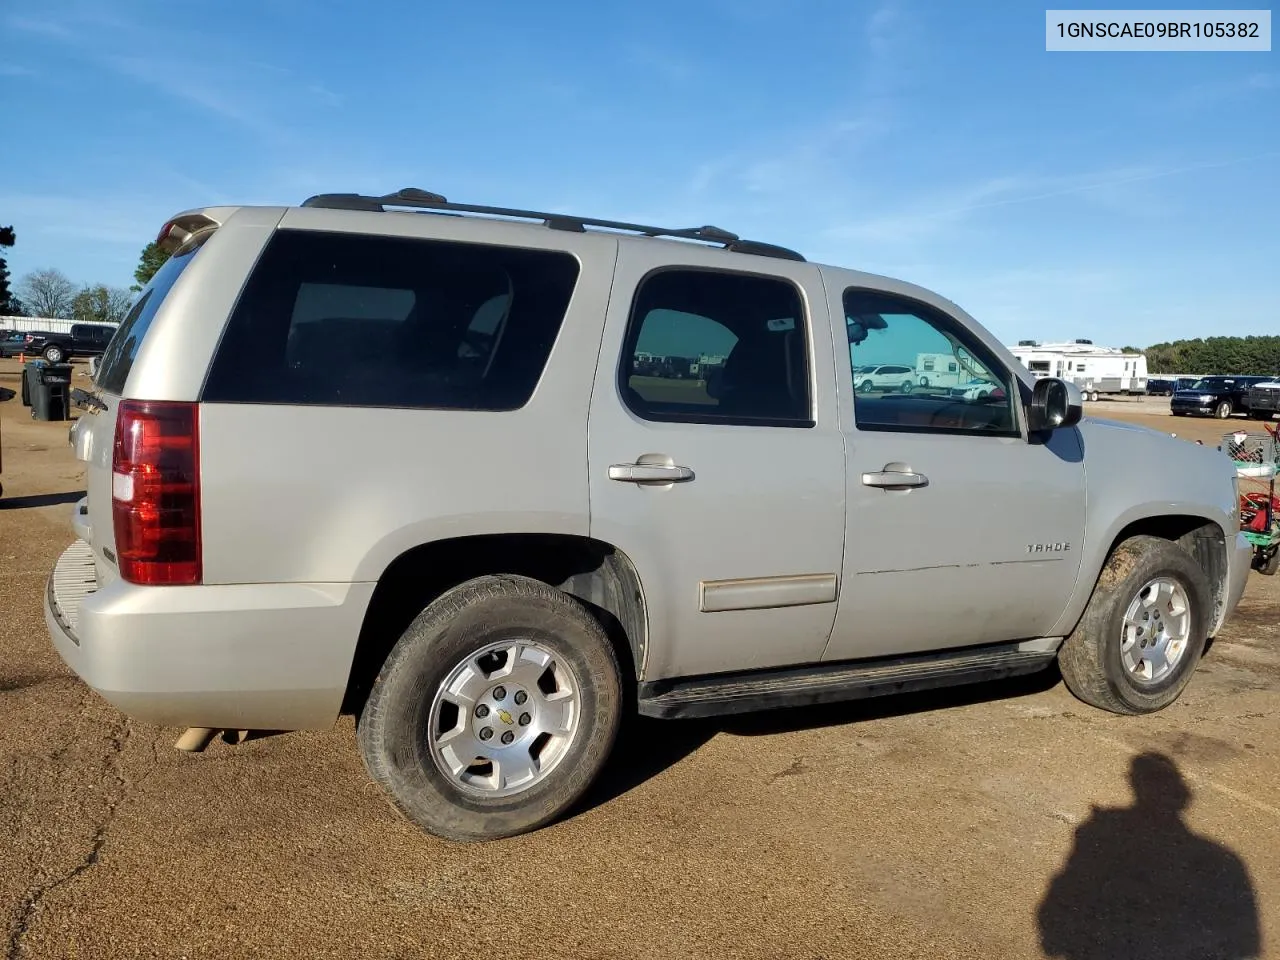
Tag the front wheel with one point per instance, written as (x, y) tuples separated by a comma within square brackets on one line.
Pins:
[(1223, 410), (494, 712), (865, 386), (1144, 630)]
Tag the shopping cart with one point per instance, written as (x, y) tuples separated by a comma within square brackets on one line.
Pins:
[(1256, 457)]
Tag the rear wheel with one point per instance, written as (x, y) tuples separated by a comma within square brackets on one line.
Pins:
[(53, 353), (1144, 630), (907, 386), (1223, 410), (494, 712)]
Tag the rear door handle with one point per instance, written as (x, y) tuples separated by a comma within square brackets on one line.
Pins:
[(650, 469), (895, 476)]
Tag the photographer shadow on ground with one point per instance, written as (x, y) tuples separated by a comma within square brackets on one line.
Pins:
[(1140, 884)]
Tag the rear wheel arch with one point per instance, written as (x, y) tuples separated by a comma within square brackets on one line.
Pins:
[(597, 574)]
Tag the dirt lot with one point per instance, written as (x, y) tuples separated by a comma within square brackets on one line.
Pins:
[(981, 823)]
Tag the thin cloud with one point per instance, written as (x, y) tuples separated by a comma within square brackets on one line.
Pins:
[(16, 70), (1212, 94), (203, 94), (818, 154), (169, 77), (44, 28), (1106, 182), (668, 64), (928, 219), (325, 95)]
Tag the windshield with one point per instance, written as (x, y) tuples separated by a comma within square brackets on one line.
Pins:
[(1207, 383)]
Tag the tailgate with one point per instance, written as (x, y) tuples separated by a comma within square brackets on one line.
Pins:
[(92, 439), (93, 435)]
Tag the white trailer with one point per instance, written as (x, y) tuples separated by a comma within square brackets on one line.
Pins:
[(1095, 370), (939, 370)]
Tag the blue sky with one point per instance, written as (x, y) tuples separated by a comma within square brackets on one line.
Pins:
[(1124, 197)]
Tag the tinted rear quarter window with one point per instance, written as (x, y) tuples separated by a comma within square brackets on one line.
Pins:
[(355, 320), (120, 352)]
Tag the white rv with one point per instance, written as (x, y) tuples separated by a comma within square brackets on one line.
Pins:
[(939, 370), (1095, 370)]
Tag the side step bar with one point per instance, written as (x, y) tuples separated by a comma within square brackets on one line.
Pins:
[(728, 693)]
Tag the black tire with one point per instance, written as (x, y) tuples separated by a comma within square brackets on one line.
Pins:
[(1269, 566), (1178, 413), (1090, 658), (393, 727), (924, 381), (53, 353), (1223, 410), (906, 387), (866, 387)]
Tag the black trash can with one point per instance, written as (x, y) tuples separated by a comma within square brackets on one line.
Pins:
[(51, 392), (28, 378)]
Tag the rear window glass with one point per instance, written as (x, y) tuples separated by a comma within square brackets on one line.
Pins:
[(117, 358), (353, 320)]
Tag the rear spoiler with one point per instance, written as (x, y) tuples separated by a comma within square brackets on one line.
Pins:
[(189, 225)]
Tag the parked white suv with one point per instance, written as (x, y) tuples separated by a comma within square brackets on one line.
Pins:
[(885, 376), (453, 470)]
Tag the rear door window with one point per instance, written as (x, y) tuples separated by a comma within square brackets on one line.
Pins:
[(355, 320)]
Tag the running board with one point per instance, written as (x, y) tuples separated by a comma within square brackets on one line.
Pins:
[(727, 693)]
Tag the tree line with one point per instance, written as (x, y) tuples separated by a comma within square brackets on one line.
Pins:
[(1247, 356), (48, 292)]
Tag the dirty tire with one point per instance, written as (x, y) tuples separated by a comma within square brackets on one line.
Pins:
[(1090, 658), (392, 731)]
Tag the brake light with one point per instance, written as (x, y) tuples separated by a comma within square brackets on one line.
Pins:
[(155, 492)]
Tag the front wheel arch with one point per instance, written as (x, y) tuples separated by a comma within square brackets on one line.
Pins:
[(1203, 538)]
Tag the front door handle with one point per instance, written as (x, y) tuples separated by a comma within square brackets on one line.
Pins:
[(651, 468), (895, 476)]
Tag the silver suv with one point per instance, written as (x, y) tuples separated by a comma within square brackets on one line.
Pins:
[(490, 479)]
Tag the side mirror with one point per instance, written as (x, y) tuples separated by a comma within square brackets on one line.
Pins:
[(1054, 403)]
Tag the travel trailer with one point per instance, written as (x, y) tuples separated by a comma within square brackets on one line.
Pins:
[(1095, 370)]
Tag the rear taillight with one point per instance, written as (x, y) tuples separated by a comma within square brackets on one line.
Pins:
[(155, 492)]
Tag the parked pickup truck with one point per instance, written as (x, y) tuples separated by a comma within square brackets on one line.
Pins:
[(1264, 399), (84, 340), (486, 530)]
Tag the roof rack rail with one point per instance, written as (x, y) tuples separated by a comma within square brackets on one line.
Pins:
[(425, 200)]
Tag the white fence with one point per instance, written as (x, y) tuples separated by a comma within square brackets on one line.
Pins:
[(30, 324)]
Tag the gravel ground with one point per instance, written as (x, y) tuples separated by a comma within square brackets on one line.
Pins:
[(1007, 820)]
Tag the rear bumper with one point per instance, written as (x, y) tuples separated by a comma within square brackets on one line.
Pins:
[(239, 656), (1239, 563)]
